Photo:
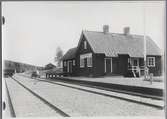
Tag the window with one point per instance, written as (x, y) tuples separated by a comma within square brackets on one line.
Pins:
[(85, 45), (151, 61), (68, 67), (65, 64), (135, 63), (128, 60), (82, 62), (73, 62), (89, 62), (88, 57)]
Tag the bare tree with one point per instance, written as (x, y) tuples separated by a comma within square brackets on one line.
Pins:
[(59, 55)]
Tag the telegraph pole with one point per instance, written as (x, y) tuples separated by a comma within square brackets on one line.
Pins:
[(145, 56)]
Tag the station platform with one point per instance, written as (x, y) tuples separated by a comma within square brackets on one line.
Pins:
[(140, 82), (132, 86)]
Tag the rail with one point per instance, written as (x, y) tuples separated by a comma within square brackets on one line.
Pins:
[(43, 100)]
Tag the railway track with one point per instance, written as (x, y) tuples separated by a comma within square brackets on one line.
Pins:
[(65, 84), (12, 112), (79, 87), (48, 104), (41, 89)]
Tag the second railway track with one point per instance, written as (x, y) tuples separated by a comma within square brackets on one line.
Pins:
[(44, 101)]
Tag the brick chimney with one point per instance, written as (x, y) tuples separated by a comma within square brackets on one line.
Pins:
[(105, 28), (126, 30)]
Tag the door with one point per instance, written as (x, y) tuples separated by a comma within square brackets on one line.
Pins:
[(69, 68), (108, 65), (115, 66), (135, 65), (135, 62)]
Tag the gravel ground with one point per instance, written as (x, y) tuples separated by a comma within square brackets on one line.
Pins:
[(25, 104), (80, 103)]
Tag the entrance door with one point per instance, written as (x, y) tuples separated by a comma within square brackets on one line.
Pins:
[(135, 62), (69, 69), (115, 66), (108, 65)]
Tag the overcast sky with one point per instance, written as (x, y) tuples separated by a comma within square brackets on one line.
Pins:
[(33, 30)]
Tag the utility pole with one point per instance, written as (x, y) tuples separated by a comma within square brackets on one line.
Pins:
[(145, 56)]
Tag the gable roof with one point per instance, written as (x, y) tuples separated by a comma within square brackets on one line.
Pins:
[(70, 54), (50, 65), (113, 44)]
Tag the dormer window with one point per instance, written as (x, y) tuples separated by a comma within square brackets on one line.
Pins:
[(85, 45)]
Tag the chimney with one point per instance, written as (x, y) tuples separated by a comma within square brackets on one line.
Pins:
[(105, 28), (126, 30)]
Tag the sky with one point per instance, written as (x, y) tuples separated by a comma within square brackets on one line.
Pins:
[(33, 30)]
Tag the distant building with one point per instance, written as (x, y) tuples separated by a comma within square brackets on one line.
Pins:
[(103, 53), (49, 66), (18, 66)]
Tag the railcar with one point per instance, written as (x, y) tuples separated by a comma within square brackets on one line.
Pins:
[(8, 72)]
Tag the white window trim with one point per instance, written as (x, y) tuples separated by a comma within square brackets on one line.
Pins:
[(85, 45), (67, 66), (111, 65), (73, 62), (85, 56), (153, 61), (87, 62), (81, 66), (104, 65)]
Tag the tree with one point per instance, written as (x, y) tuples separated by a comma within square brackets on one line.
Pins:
[(59, 55)]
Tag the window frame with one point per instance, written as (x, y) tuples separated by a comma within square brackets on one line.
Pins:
[(153, 61), (73, 62), (135, 62), (82, 63), (89, 58), (86, 56), (65, 63), (85, 44)]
